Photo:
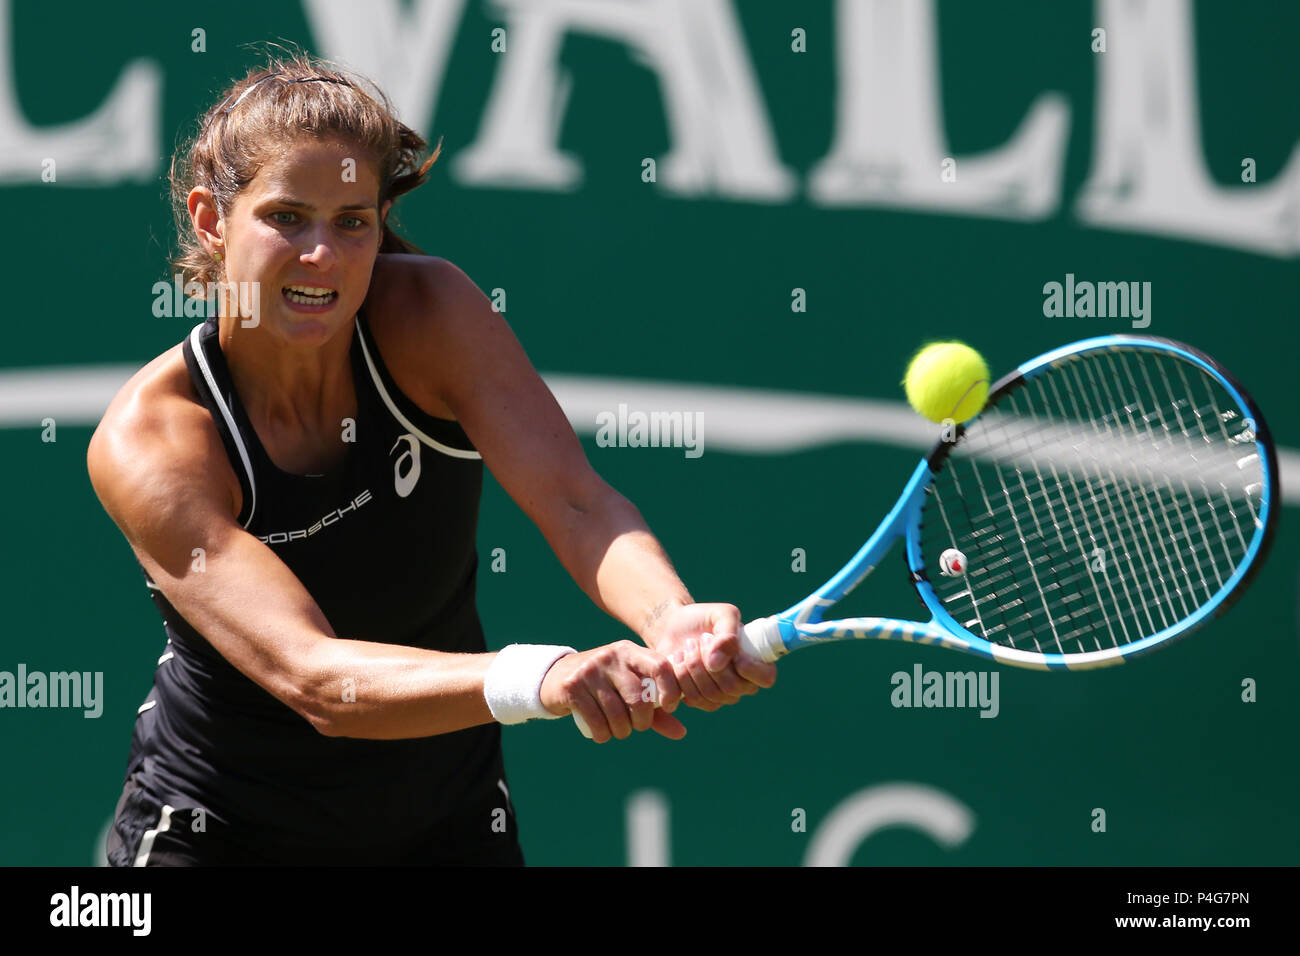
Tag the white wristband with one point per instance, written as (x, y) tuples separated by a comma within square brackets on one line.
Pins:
[(513, 685)]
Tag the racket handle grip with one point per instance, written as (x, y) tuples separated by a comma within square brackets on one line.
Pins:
[(762, 639)]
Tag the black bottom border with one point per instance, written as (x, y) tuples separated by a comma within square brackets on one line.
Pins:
[(332, 904)]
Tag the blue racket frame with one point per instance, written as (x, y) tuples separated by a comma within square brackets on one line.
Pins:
[(802, 624)]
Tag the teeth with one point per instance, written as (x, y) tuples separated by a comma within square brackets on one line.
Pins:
[(308, 295)]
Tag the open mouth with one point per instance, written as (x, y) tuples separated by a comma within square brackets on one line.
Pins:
[(309, 295)]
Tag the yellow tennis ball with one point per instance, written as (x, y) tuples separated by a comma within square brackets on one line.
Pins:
[(947, 380)]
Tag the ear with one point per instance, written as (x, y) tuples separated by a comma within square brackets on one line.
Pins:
[(208, 225)]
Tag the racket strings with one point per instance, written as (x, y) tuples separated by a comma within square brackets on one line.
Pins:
[(1105, 500)]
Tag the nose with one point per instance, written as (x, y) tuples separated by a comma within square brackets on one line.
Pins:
[(318, 251)]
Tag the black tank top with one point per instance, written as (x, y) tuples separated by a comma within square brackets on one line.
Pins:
[(385, 544)]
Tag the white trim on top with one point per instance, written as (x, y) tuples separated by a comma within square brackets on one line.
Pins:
[(397, 413), (202, 359)]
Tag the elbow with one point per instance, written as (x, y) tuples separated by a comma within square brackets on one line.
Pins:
[(318, 694), (322, 719)]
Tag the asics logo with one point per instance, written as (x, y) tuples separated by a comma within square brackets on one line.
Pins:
[(404, 482)]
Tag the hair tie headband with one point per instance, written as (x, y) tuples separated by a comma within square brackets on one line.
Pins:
[(304, 79)]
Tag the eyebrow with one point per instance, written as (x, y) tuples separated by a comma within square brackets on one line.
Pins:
[(354, 207)]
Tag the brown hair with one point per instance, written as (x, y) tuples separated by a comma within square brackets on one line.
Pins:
[(268, 108)]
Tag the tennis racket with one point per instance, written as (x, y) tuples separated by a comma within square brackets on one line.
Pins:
[(1113, 496)]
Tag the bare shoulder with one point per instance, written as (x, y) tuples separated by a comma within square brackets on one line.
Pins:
[(426, 314), (156, 438), (429, 283), (452, 343)]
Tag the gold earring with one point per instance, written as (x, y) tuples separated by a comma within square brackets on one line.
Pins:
[(216, 256)]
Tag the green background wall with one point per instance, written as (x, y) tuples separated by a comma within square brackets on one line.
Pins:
[(617, 278)]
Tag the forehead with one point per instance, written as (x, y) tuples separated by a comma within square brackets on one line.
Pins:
[(326, 169)]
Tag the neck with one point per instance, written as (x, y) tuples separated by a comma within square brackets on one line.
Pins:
[(291, 385)]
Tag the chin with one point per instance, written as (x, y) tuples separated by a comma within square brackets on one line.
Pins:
[(310, 329)]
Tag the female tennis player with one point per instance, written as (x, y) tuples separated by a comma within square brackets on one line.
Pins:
[(299, 480)]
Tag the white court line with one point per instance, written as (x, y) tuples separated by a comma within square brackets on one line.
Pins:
[(746, 420)]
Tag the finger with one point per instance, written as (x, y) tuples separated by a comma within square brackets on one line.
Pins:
[(637, 685), (670, 691), (641, 710), (691, 695), (668, 725), (717, 648), (720, 647), (614, 708), (755, 671), (703, 679), (734, 683), (659, 685), (585, 705)]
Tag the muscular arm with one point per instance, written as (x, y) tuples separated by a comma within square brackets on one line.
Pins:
[(159, 468), (161, 473), (598, 535), (604, 543), (527, 442)]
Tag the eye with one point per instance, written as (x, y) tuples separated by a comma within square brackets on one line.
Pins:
[(353, 222), (291, 216)]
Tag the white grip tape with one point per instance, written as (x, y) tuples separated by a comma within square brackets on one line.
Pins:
[(762, 639)]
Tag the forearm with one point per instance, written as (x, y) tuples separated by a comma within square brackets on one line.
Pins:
[(391, 692), (612, 555), (637, 582), (604, 543)]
